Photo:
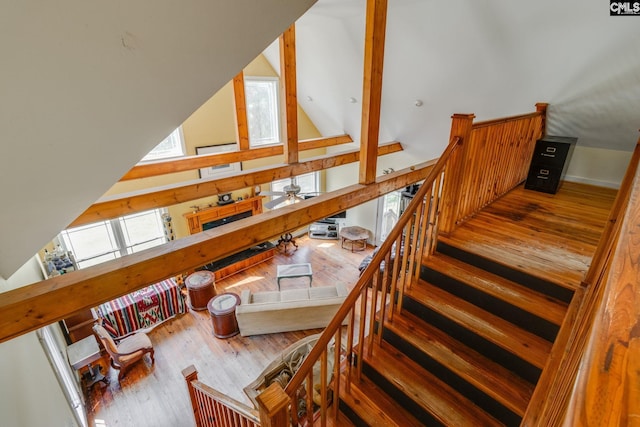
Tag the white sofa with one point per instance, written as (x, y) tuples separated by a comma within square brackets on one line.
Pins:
[(289, 310)]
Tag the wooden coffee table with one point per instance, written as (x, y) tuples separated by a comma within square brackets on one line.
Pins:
[(356, 236)]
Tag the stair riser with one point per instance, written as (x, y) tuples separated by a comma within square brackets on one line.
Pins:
[(474, 341), (397, 394), (491, 406), (515, 315), (517, 276)]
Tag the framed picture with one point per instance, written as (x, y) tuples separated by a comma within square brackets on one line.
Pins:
[(219, 170)]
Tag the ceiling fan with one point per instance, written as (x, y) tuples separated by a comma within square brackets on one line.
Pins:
[(291, 193)]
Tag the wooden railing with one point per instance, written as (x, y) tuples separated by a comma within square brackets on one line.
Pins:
[(396, 265), (570, 390), (214, 409), (393, 266), (494, 159)]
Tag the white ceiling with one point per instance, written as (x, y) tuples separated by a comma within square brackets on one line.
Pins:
[(490, 57), (87, 88)]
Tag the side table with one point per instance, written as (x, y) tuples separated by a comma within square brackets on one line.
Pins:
[(84, 353), (201, 288), (222, 309), (356, 236)]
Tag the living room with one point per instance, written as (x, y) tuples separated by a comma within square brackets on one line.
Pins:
[(599, 156)]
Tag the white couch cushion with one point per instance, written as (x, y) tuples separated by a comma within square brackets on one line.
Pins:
[(294, 295), (323, 292), (265, 297)]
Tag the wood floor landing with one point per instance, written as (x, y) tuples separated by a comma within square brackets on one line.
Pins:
[(549, 236), (157, 395)]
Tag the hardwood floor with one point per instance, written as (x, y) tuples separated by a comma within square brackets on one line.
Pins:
[(157, 395), (551, 236)]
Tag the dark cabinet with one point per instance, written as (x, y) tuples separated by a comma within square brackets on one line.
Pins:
[(549, 163)]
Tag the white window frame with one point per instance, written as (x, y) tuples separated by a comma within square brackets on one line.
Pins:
[(170, 147), (117, 234), (273, 84), (278, 185)]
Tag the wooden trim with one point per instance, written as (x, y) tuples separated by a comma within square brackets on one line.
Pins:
[(493, 122), (162, 167), (195, 220), (273, 404), (372, 87), (30, 307), (541, 107), (128, 203), (242, 126), (461, 126), (289, 94), (556, 388)]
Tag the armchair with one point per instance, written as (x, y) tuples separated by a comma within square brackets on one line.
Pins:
[(128, 351)]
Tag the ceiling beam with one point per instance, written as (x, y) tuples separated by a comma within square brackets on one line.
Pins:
[(289, 94), (187, 163), (33, 306), (372, 87), (125, 204), (240, 103)]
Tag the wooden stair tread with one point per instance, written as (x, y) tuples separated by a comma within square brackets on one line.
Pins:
[(524, 259), (493, 379), (374, 406), (521, 343), (543, 306), (435, 396)]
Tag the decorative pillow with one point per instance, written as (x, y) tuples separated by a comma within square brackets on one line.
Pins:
[(109, 328)]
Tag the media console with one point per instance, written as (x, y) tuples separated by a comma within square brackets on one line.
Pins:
[(325, 229)]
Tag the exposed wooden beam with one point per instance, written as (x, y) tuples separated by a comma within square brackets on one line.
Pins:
[(372, 87), (163, 167), (289, 94), (33, 306), (128, 203), (240, 103)]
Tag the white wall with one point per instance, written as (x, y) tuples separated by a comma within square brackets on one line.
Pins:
[(597, 166), (30, 395)]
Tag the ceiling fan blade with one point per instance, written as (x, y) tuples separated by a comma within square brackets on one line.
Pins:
[(275, 202)]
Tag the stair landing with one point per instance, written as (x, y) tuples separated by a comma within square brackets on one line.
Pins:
[(549, 236)]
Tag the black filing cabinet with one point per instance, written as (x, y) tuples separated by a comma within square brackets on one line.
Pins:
[(549, 162)]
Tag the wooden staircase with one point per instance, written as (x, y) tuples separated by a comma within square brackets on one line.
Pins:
[(467, 348)]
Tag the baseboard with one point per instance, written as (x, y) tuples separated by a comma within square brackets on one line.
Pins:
[(595, 182)]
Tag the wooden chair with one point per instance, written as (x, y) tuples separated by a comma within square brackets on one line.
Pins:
[(128, 350)]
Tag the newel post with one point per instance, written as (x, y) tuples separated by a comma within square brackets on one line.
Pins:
[(461, 126), (541, 107), (273, 404), (190, 373)]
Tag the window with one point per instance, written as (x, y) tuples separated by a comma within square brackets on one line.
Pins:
[(309, 184), (263, 114), (106, 240), (172, 146), (388, 214)]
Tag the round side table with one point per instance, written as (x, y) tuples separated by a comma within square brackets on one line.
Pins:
[(200, 286), (355, 236), (222, 309)]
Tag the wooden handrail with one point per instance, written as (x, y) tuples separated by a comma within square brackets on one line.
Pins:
[(495, 159), (211, 407), (318, 353), (556, 386)]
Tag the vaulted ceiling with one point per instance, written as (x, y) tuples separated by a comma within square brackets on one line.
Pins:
[(88, 88)]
